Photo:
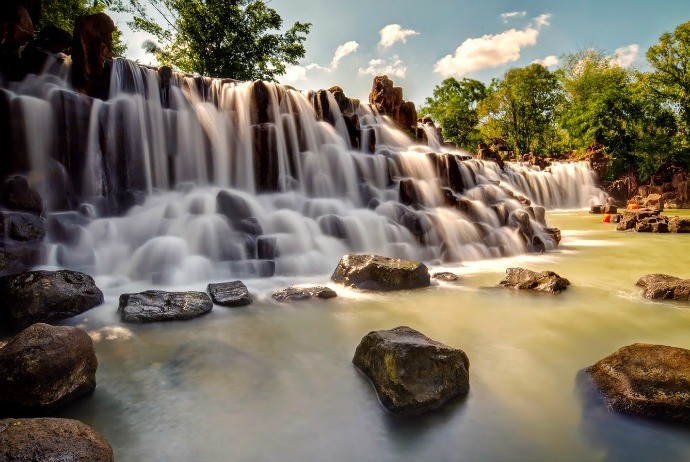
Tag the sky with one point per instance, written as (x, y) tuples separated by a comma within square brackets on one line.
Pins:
[(418, 43)]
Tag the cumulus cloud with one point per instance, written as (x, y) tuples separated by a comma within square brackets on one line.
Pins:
[(343, 50), (394, 67), (513, 14), (625, 56), (542, 20), (393, 33), (549, 61), (294, 74)]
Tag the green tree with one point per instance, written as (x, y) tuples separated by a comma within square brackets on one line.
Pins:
[(220, 38), (522, 106), (454, 106)]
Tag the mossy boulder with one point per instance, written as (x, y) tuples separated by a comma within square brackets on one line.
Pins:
[(374, 272), (665, 287), (544, 281), (412, 374), (646, 380)]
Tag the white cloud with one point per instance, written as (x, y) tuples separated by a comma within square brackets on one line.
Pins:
[(343, 50), (294, 74), (394, 67), (625, 56), (513, 14), (486, 52), (549, 61), (393, 33), (542, 20)]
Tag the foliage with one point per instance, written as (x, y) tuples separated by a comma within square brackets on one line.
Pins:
[(454, 106), (220, 38)]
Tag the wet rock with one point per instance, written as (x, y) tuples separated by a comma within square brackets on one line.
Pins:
[(46, 296), (544, 281), (665, 287), (296, 294), (51, 440), (157, 306), (538, 245), (679, 225), (597, 209), (446, 277), (233, 206), (388, 100), (21, 226), (412, 374), (16, 32), (486, 153), (520, 219), (18, 195), (232, 294), (374, 272), (266, 164), (267, 247), (651, 381), (44, 367), (539, 214), (17, 258), (554, 233), (92, 54), (654, 202), (408, 193), (610, 209), (260, 108)]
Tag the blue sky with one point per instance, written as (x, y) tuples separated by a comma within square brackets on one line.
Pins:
[(425, 41)]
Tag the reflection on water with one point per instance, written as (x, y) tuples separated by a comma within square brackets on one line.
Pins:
[(275, 382)]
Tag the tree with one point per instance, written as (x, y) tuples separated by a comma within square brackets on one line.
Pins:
[(220, 38), (454, 107), (522, 105)]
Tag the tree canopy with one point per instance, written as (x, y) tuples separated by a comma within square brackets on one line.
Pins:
[(240, 39)]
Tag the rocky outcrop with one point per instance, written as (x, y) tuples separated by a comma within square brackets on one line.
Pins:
[(598, 159), (647, 220), (374, 272), (44, 367), (665, 287), (296, 294), (92, 54), (679, 225), (388, 100), (233, 294), (646, 380), (446, 277), (51, 440), (544, 281), (412, 373), (16, 32), (46, 296), (18, 195), (157, 306), (485, 152)]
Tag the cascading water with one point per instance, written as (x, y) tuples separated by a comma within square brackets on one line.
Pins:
[(223, 179)]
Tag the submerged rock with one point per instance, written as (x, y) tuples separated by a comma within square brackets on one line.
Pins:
[(544, 281), (412, 373), (374, 272), (646, 380), (51, 440), (665, 287), (156, 305), (295, 294), (232, 294), (446, 277), (46, 296), (44, 367)]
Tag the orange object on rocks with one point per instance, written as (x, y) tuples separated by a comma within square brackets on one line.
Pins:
[(607, 218), (633, 206)]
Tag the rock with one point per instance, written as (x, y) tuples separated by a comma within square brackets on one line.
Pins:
[(597, 209), (295, 294), (92, 54), (655, 202), (21, 226), (610, 209), (665, 287), (234, 207), (446, 277), (17, 258), (679, 225), (554, 233), (18, 195), (16, 32), (374, 272), (544, 281), (54, 40), (156, 306), (412, 373), (230, 294), (388, 100), (651, 381), (46, 296), (44, 367), (51, 440), (484, 152)]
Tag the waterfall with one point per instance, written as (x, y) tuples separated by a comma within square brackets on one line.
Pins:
[(208, 179)]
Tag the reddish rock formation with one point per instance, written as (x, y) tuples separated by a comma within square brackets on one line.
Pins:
[(598, 159), (388, 100), (92, 54)]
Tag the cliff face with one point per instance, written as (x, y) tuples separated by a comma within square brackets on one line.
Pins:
[(388, 100)]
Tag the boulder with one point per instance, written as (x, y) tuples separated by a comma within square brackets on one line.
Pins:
[(46, 296), (679, 225), (665, 287), (51, 440), (374, 272), (655, 202), (446, 277), (554, 233), (412, 373), (22, 226), (646, 380), (92, 54), (296, 294), (597, 209), (44, 367), (16, 258), (18, 195), (544, 281), (610, 209), (232, 294), (156, 306)]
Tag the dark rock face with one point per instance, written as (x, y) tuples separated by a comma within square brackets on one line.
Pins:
[(15, 259), (374, 272), (597, 209), (545, 281), (232, 294), (51, 440), (646, 380), (22, 227), (92, 54), (156, 305), (18, 195), (46, 296), (44, 367), (412, 373), (296, 294), (446, 277), (665, 287)]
